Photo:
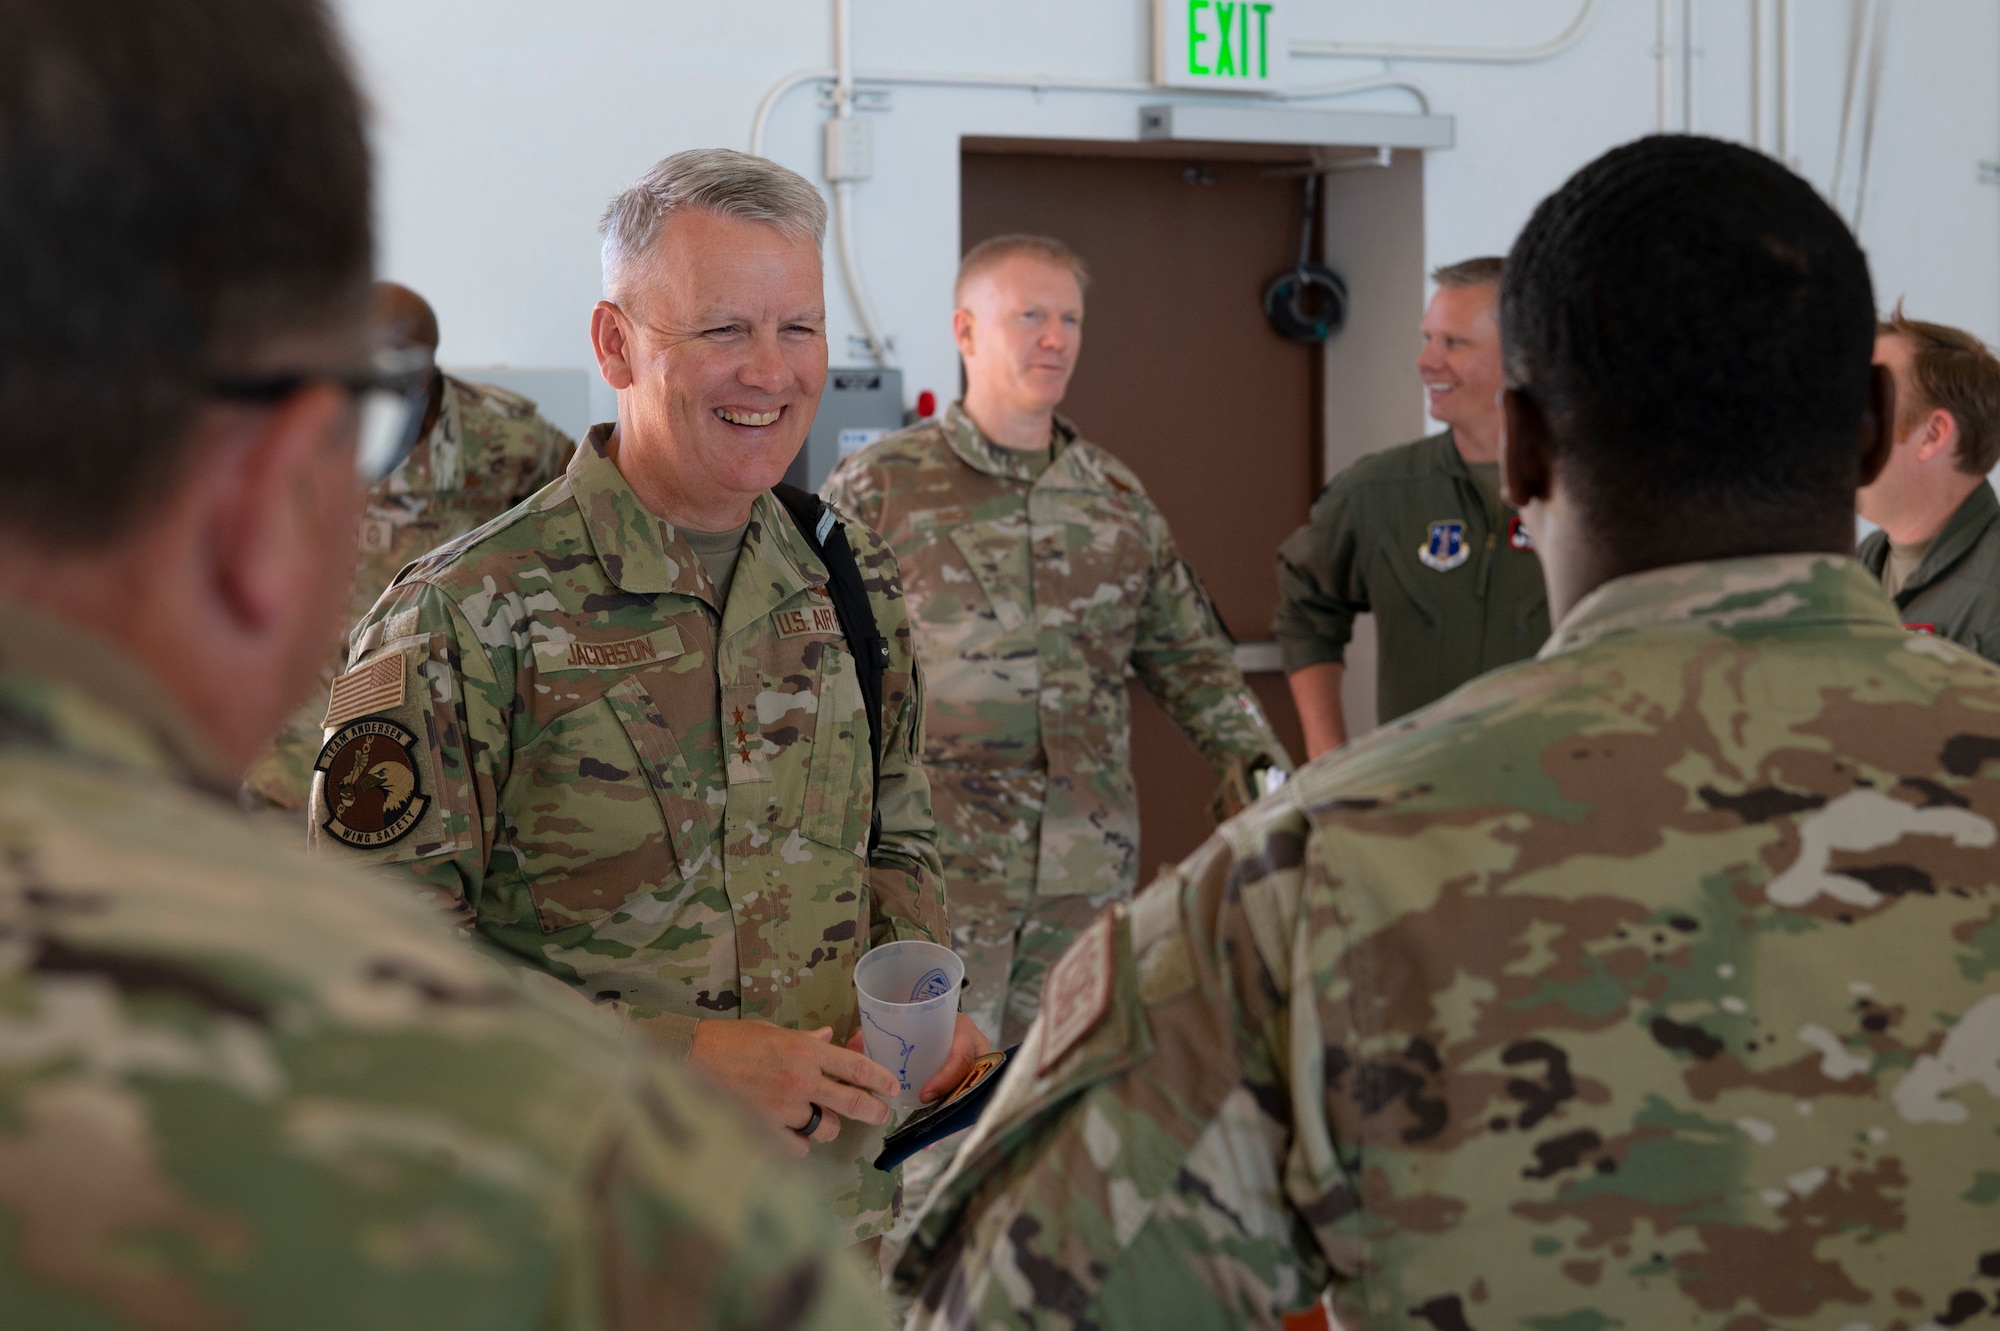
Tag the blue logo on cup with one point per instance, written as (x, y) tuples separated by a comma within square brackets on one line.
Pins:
[(903, 1068), (933, 983)]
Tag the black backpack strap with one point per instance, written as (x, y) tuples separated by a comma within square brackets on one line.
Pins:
[(823, 532)]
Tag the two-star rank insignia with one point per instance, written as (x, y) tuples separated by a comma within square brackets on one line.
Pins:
[(374, 795), (1444, 549)]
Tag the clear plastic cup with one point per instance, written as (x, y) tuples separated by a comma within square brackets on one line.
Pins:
[(909, 1009)]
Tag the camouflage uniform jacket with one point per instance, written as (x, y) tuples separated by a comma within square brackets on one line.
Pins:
[(487, 452), (1031, 598), (665, 806), (1955, 591), (242, 1089), (1652, 983)]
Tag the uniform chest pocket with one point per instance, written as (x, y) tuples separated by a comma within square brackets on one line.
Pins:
[(797, 744), (840, 792), (1409, 581), (684, 807), (1095, 591), (604, 811)]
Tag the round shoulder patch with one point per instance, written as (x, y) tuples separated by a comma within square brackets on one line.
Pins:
[(374, 795)]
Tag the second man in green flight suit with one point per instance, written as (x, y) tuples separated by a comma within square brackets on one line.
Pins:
[(1419, 536)]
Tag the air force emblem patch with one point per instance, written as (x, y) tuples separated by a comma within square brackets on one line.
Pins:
[(1444, 549), (373, 793)]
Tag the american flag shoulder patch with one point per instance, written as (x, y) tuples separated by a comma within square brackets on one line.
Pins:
[(375, 686)]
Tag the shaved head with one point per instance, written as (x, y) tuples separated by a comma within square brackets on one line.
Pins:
[(407, 317)]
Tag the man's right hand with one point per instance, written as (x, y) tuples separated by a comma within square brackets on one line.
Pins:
[(782, 1073)]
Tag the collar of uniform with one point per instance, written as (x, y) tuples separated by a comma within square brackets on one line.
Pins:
[(1740, 597), (65, 689), (983, 455), (448, 438), (640, 553), (776, 565), (1445, 455), (1958, 535)]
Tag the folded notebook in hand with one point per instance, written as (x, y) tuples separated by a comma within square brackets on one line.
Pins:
[(957, 1111)]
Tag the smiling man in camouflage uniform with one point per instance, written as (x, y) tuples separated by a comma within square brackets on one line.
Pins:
[(481, 451), (1038, 573), (1655, 982), (623, 730), (240, 1088)]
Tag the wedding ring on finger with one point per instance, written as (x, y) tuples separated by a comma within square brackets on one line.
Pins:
[(812, 1123)]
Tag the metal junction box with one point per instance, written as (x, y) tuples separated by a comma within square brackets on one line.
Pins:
[(858, 407)]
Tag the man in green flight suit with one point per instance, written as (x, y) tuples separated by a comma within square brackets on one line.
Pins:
[(238, 1087), (1420, 536), (622, 730), (1650, 983), (1937, 547)]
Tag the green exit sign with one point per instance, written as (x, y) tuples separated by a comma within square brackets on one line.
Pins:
[(1232, 45)]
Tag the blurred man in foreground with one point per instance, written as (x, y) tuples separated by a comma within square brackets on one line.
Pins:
[(480, 450), (1938, 548), (238, 1088), (1650, 983)]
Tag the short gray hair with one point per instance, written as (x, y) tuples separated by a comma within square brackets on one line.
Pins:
[(715, 180)]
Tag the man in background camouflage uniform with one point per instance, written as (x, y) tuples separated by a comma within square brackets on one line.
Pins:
[(1651, 983), (1038, 572), (622, 727), (238, 1088), (482, 450)]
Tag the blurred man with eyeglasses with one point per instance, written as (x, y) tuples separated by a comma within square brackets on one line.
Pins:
[(239, 1087), (478, 451)]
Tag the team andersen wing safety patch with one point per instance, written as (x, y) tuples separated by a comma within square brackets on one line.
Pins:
[(373, 790)]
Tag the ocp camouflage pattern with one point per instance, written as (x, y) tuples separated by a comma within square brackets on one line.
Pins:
[(1653, 983), (667, 808), (1031, 597), (488, 451), (239, 1088)]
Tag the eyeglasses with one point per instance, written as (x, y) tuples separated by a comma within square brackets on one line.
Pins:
[(393, 395)]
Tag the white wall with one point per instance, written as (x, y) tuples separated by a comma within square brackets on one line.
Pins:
[(504, 125)]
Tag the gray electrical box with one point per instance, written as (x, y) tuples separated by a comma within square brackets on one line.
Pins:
[(858, 407)]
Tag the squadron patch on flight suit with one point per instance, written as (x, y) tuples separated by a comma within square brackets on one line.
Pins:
[(1517, 535), (372, 787), (1444, 549)]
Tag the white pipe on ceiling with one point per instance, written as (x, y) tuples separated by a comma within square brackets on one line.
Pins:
[(1493, 55), (1038, 83)]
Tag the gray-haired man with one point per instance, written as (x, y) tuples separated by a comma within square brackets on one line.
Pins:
[(625, 729)]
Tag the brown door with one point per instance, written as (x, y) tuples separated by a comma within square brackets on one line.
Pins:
[(1183, 379)]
